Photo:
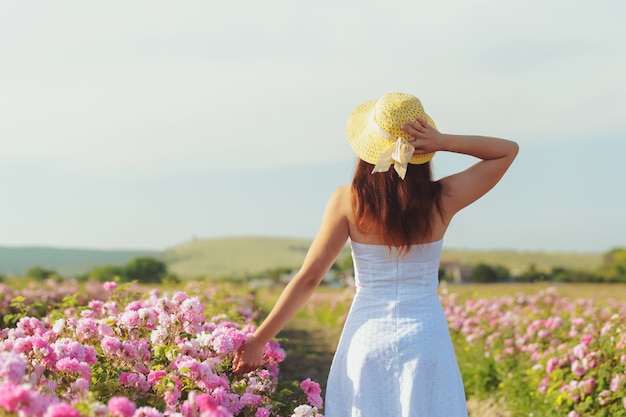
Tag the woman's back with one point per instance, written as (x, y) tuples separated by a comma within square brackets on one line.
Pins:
[(391, 273)]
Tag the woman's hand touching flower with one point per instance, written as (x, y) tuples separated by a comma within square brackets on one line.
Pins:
[(249, 356)]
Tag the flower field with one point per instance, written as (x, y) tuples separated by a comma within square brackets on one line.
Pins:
[(540, 353), (545, 354), (104, 350)]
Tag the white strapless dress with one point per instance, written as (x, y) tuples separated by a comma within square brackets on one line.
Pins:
[(395, 357)]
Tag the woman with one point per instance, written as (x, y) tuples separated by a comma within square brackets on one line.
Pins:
[(395, 357)]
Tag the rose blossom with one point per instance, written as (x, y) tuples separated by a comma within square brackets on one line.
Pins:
[(12, 367), (303, 411), (312, 391), (61, 410), (121, 407)]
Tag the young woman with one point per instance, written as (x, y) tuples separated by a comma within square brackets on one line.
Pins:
[(395, 357)]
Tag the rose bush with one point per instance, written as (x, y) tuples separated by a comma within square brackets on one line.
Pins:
[(546, 355), (123, 354)]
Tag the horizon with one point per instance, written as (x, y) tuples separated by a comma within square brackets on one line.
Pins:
[(277, 237)]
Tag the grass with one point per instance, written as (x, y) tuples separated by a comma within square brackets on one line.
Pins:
[(598, 292)]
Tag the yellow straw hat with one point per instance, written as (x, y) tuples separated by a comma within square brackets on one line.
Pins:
[(374, 126)]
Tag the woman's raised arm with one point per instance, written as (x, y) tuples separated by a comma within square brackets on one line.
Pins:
[(465, 187)]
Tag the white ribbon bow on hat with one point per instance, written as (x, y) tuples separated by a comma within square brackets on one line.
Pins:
[(398, 153)]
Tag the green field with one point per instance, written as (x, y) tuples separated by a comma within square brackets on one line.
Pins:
[(235, 257), (251, 255), (519, 261), (591, 291)]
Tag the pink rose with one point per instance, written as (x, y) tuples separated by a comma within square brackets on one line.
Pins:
[(312, 391), (121, 407), (588, 385), (578, 368), (11, 396), (553, 363), (61, 410)]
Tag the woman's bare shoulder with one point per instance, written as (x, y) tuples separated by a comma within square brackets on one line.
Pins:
[(340, 199), (343, 190)]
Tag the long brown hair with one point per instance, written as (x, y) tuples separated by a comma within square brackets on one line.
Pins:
[(398, 211)]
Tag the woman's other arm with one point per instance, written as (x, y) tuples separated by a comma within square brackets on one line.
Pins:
[(324, 250)]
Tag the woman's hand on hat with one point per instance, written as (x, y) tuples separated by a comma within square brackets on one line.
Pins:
[(424, 137)]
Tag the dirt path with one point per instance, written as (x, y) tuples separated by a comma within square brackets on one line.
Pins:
[(310, 347)]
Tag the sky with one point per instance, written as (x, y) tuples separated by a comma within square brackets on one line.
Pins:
[(145, 124)]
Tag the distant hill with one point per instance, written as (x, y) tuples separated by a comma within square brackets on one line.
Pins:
[(246, 256), (250, 255), (67, 262), (519, 261), (235, 256)]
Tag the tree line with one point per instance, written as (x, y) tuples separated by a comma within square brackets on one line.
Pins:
[(611, 270), (146, 270)]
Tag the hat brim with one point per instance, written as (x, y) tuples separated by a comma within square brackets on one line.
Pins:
[(366, 141)]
